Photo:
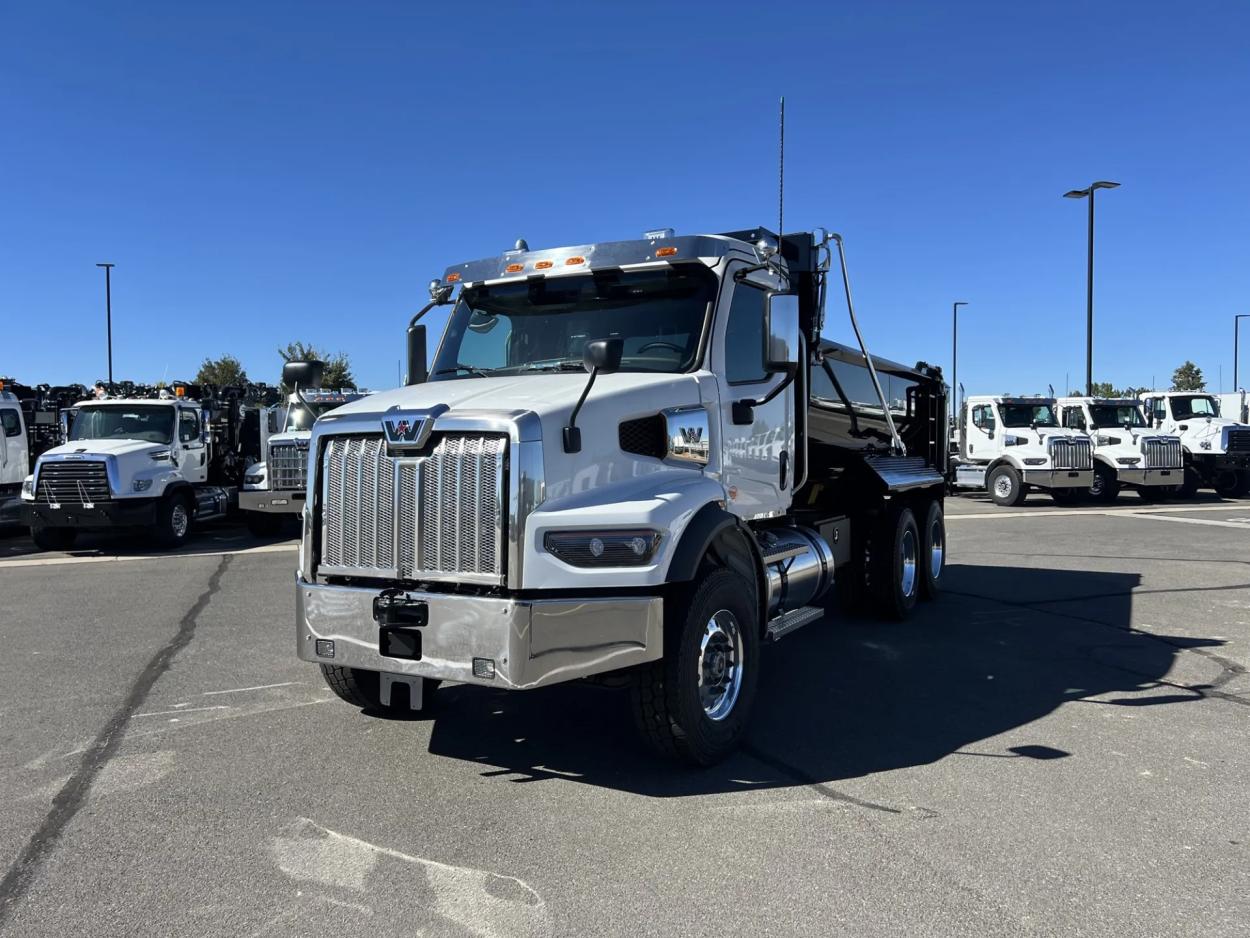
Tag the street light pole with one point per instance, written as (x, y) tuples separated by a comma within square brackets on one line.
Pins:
[(1236, 327), (1089, 280), (955, 359), (108, 307)]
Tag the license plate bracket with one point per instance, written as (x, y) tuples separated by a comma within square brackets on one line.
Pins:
[(396, 641)]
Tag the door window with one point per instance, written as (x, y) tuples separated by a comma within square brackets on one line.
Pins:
[(1074, 419), (8, 418), (983, 417), (744, 337), (188, 426)]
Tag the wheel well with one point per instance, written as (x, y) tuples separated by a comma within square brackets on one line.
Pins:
[(180, 490), (1000, 461), (716, 539)]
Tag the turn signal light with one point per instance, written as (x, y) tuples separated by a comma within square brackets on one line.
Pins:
[(484, 668), (666, 252)]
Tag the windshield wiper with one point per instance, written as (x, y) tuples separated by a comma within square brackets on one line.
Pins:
[(566, 365), (471, 369)]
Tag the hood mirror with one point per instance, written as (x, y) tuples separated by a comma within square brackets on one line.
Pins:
[(600, 356)]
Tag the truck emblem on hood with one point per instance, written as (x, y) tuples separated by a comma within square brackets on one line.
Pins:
[(407, 431)]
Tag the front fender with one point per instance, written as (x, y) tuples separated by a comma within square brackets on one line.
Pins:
[(663, 501)]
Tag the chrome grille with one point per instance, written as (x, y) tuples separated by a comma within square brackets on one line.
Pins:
[(288, 465), (439, 516), (72, 482), (1239, 440), (1070, 453), (1162, 453)]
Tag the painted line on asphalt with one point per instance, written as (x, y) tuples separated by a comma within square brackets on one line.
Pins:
[(56, 561), (1240, 523), (1093, 512)]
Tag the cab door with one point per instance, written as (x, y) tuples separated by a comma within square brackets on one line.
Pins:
[(757, 449), (14, 455), (980, 429), (194, 459)]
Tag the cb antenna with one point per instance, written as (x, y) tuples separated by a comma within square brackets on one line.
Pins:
[(781, 175)]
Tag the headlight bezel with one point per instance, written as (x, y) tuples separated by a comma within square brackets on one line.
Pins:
[(600, 548)]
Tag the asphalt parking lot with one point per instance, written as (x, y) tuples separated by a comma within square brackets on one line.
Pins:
[(1056, 747)]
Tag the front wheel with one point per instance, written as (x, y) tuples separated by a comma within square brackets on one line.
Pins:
[(1105, 487), (53, 538), (1193, 481), (1228, 483), (1006, 487), (173, 521), (1066, 497), (693, 704)]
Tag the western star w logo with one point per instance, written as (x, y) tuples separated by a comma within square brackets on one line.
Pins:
[(692, 436), (407, 431)]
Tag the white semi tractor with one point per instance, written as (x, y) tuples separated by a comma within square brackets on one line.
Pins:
[(160, 463), (1009, 445), (634, 462), (1127, 453), (274, 485), (1216, 448), (14, 458)]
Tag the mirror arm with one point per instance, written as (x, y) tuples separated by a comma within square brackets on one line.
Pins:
[(572, 435), (744, 411)]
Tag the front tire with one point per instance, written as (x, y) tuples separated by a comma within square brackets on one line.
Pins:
[(693, 704), (1228, 484), (1193, 481), (363, 689), (1105, 487), (173, 521), (1006, 486), (53, 538), (1066, 497), (933, 558)]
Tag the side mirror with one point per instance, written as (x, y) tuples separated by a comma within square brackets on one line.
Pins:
[(418, 370), (305, 374), (781, 333), (603, 355)]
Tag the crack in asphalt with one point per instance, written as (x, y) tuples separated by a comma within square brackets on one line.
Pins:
[(73, 794), (794, 773)]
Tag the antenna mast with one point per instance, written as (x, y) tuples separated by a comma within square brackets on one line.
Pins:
[(781, 178)]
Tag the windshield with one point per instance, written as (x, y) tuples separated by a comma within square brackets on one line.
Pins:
[(544, 324), (1117, 415), (1025, 415), (1198, 406), (152, 423)]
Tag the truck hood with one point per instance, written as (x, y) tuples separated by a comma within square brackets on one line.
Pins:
[(613, 399), (96, 448), (289, 436)]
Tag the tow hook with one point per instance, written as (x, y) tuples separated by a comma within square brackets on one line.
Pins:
[(399, 617)]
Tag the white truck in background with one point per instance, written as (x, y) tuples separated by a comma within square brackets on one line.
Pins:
[(1216, 448), (14, 458), (1234, 406), (1127, 453), (274, 486), (159, 463), (1009, 445)]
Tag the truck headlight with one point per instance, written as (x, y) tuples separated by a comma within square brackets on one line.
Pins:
[(254, 479), (1036, 461), (141, 485), (1128, 460), (28, 489), (621, 548)]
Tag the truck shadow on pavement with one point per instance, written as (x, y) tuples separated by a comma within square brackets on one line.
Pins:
[(848, 697)]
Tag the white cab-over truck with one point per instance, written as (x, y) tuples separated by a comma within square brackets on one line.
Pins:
[(1008, 445), (14, 458), (1216, 448), (509, 520), (274, 486), (157, 463), (1127, 453)]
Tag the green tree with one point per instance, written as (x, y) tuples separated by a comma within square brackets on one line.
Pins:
[(338, 372), (222, 372), (1188, 377)]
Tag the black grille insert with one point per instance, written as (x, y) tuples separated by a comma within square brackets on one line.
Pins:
[(645, 436)]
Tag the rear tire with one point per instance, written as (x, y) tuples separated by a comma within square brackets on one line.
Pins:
[(895, 568), (263, 523), (1228, 483), (933, 557), (173, 521), (694, 703), (1106, 487), (1006, 487), (1193, 481), (53, 538)]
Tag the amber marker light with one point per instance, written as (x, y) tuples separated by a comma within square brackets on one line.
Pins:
[(514, 268), (574, 261), (666, 252)]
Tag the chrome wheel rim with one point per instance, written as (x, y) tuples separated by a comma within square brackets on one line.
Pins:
[(720, 665), (907, 558), (937, 549), (1002, 487), (179, 520), (1095, 487)]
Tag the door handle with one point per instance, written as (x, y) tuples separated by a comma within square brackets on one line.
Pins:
[(785, 465)]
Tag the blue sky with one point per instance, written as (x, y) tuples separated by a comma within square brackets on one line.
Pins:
[(265, 172)]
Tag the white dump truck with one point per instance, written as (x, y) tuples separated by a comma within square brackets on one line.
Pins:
[(274, 486), (1127, 453), (1009, 445), (160, 463), (634, 462), (1216, 448)]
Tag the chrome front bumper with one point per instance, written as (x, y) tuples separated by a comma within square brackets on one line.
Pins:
[(1060, 478), (289, 503), (530, 642), (1150, 477)]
